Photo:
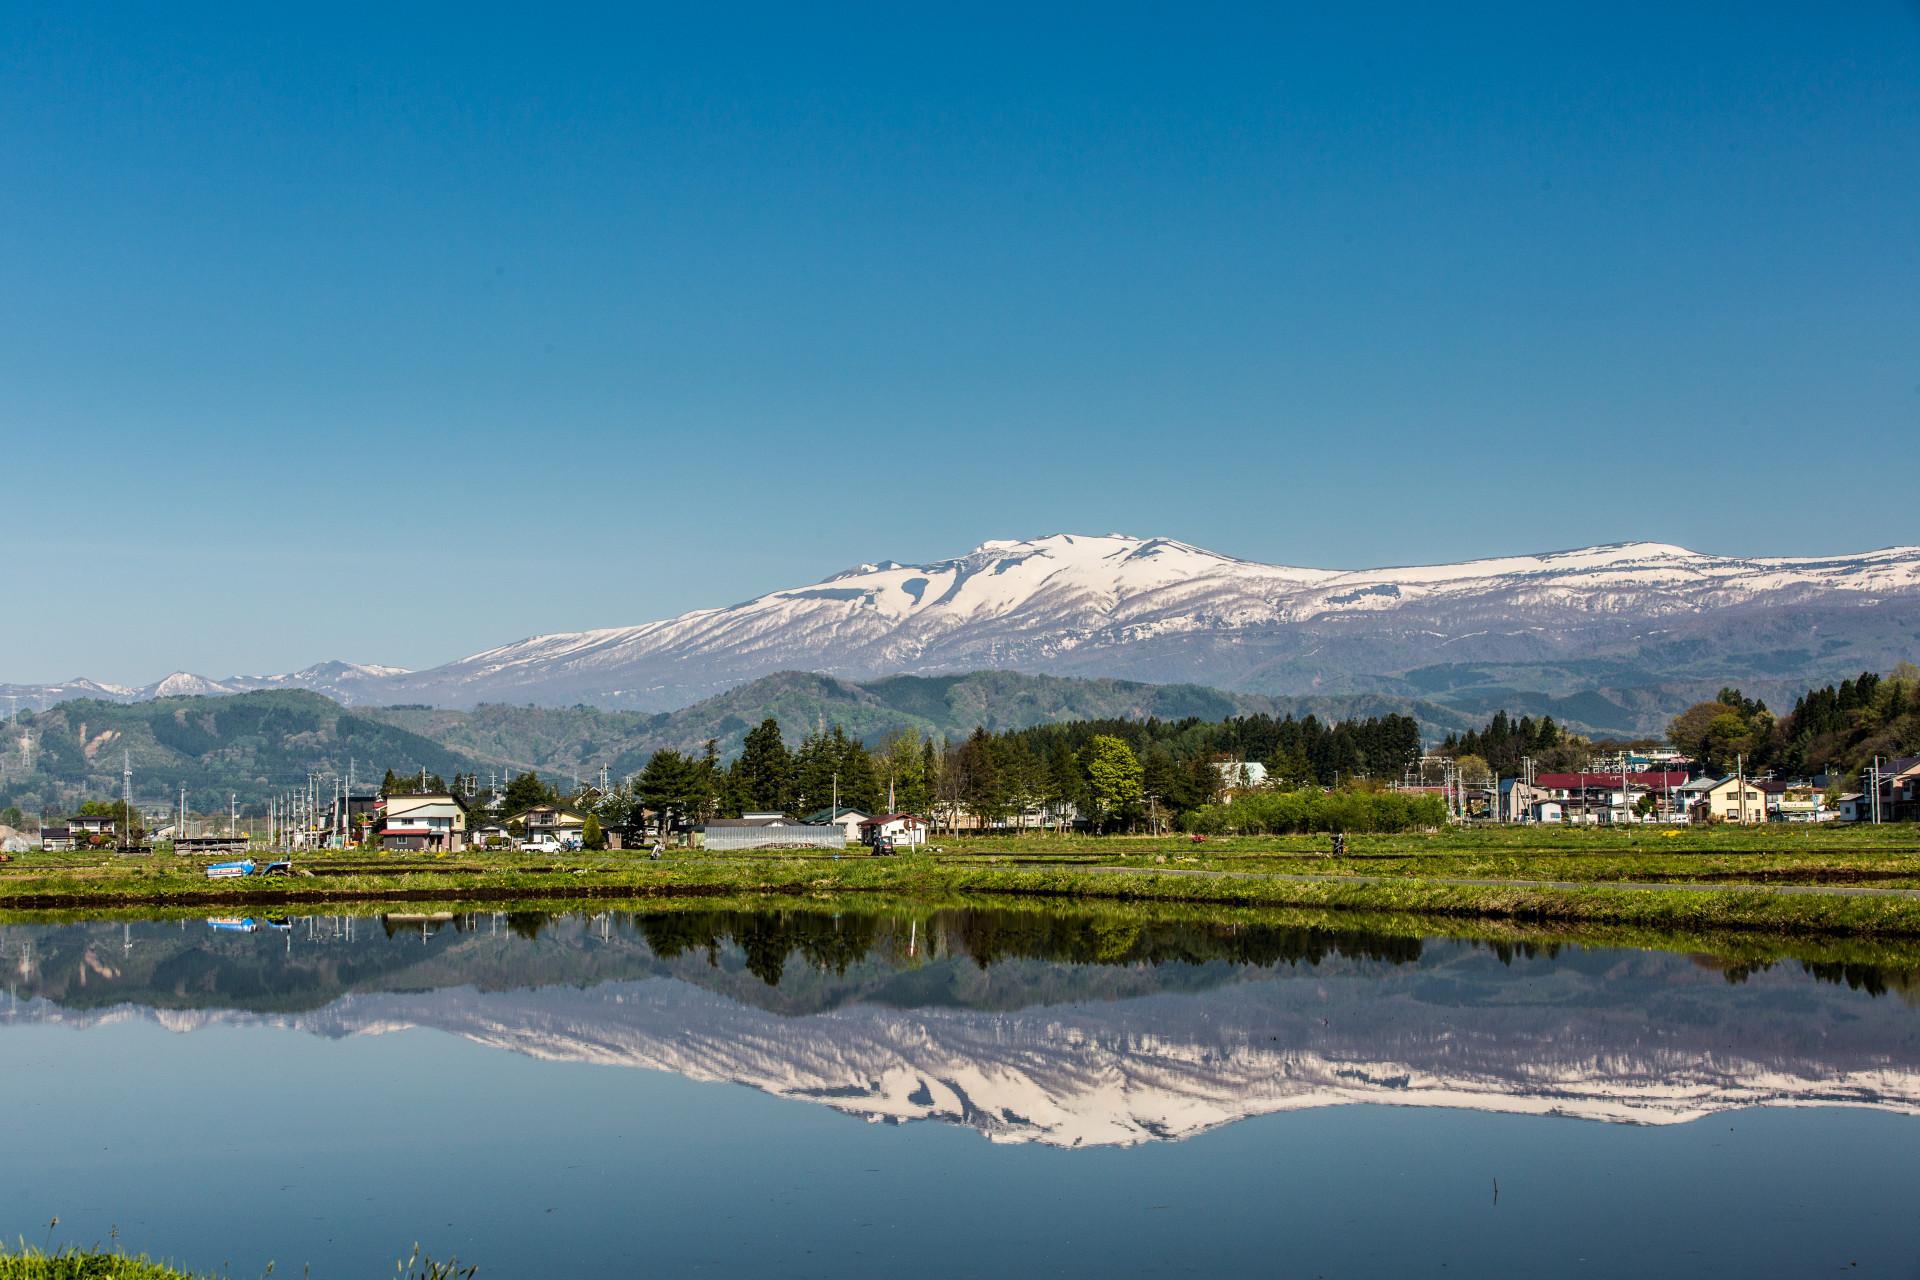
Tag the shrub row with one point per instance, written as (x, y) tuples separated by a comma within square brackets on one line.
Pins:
[(1279, 812)]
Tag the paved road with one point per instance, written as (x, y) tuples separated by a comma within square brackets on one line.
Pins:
[(1848, 891)]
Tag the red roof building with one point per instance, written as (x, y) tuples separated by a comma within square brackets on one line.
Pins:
[(1602, 781)]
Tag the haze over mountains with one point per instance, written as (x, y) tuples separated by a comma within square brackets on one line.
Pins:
[(1617, 618)]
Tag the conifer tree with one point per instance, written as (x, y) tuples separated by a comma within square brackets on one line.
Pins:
[(764, 771)]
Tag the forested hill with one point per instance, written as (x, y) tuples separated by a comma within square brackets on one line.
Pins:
[(252, 745), (561, 743), (247, 745)]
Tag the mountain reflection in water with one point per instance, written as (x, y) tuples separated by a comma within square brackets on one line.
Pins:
[(1028, 1026)]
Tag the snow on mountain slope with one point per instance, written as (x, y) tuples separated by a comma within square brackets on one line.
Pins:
[(1158, 609), (1162, 611), (347, 682)]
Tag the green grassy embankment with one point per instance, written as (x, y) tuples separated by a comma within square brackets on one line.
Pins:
[(71, 1263), (1404, 871), (75, 1264)]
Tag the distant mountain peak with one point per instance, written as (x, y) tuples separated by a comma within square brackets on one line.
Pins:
[(1160, 610)]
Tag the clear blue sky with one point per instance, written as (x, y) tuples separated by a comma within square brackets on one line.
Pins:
[(587, 319)]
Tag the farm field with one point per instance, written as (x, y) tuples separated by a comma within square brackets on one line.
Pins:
[(1768, 880)]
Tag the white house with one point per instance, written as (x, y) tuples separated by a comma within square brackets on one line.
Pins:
[(431, 822), (1235, 774), (904, 828), (848, 820)]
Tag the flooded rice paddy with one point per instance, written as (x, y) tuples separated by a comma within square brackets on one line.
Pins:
[(949, 1093)]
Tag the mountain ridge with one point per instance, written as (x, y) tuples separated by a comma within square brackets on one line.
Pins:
[(1156, 610)]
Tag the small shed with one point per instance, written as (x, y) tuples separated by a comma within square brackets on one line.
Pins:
[(905, 828)]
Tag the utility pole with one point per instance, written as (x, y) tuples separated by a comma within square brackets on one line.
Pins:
[(126, 799)]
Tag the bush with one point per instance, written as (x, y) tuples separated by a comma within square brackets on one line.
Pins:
[(1283, 812)]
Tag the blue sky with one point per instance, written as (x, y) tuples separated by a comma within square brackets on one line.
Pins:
[(598, 316)]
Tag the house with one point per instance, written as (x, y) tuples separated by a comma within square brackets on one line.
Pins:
[(552, 821), (56, 839), (1899, 793), (350, 813), (1899, 790), (212, 846), (491, 834), (904, 828), (1795, 802), (1521, 801), (88, 825), (1518, 800), (1609, 797), (848, 820), (1237, 775), (1726, 800), (429, 822), (1661, 760)]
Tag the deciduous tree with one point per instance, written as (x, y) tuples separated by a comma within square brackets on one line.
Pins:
[(1113, 776)]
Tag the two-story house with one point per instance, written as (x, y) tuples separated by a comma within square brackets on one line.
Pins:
[(553, 822), (1725, 800), (430, 822), (1607, 797)]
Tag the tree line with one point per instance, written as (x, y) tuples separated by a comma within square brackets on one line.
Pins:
[(1112, 774), (1832, 730)]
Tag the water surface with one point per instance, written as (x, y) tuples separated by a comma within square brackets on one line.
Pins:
[(957, 1093)]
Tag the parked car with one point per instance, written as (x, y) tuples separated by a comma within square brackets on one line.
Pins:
[(546, 844)]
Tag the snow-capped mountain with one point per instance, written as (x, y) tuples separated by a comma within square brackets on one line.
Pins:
[(1159, 610), (1154, 609), (347, 682)]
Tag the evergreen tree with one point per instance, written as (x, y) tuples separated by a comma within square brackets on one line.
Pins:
[(981, 788), (764, 772), (526, 790), (1065, 783), (929, 773), (670, 785)]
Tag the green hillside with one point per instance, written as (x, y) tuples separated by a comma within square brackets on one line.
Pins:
[(253, 745), (577, 741), (248, 745)]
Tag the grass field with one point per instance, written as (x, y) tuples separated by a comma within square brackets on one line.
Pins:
[(1583, 871), (71, 1263), (29, 1263)]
